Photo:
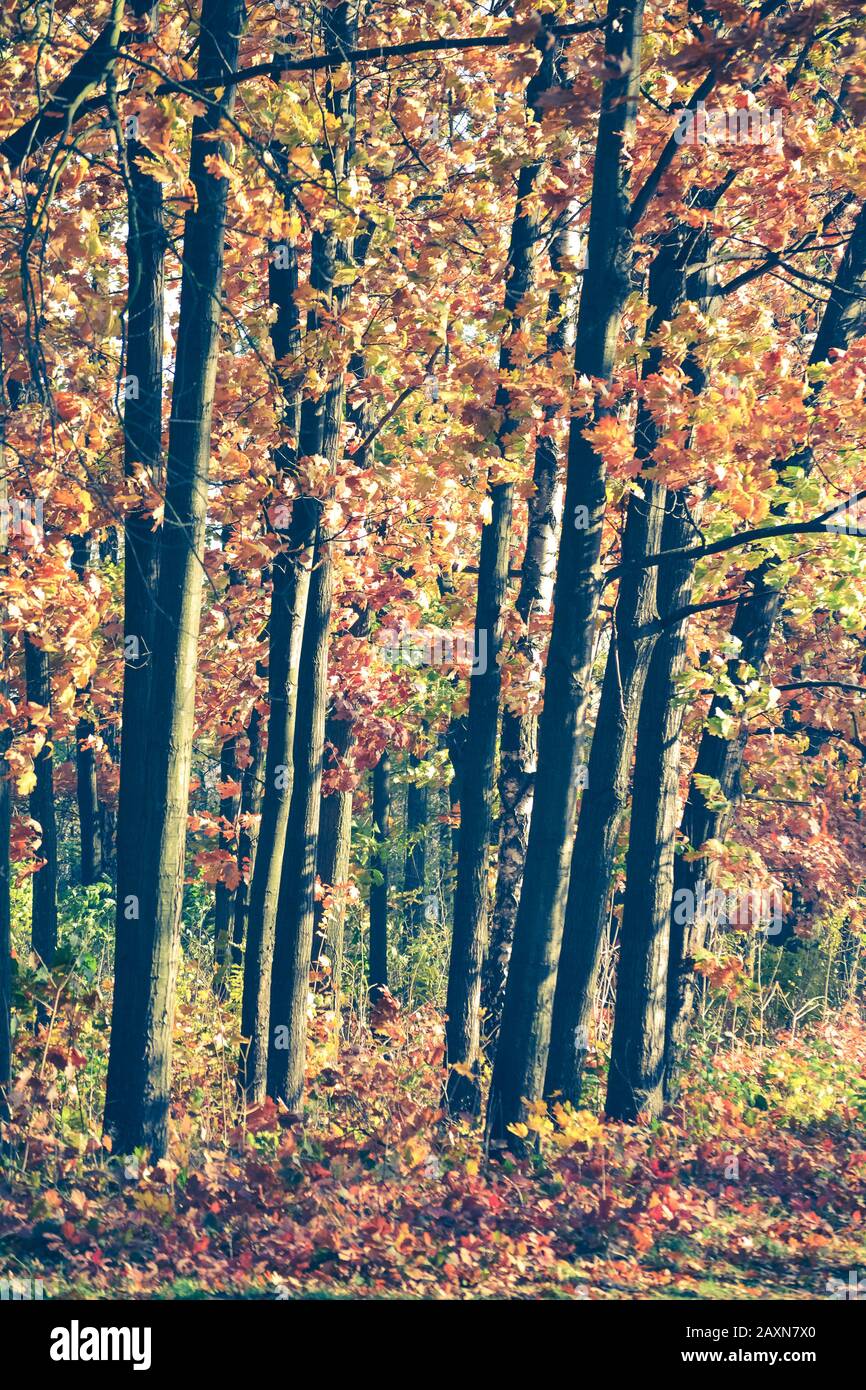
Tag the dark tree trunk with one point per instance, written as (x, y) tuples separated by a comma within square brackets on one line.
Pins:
[(160, 866), (332, 860), (521, 1057), (318, 429), (378, 962), (89, 815), (290, 579), (604, 800), (518, 745), (633, 636), (43, 935), (479, 776), (290, 982), (635, 1076), (224, 897), (251, 806), (456, 748), (415, 873), (142, 447)]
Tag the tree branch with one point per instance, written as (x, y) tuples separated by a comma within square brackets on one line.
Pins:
[(763, 533)]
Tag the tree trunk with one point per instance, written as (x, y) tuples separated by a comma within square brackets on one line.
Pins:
[(43, 934), (289, 596), (378, 961), (290, 982), (415, 872), (160, 868), (479, 779), (518, 745), (251, 806), (332, 861), (318, 427), (89, 814), (635, 1076), (634, 633), (142, 447), (521, 1058), (224, 897), (604, 801)]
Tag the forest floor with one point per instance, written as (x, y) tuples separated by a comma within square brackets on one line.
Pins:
[(753, 1186)]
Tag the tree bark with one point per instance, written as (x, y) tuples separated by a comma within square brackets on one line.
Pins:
[(332, 860), (251, 807), (142, 448), (290, 581), (89, 814), (378, 960), (90, 819), (317, 434), (415, 870), (633, 637), (637, 1049), (290, 981), (479, 778), (43, 935), (521, 1057), (181, 557), (518, 744), (224, 897)]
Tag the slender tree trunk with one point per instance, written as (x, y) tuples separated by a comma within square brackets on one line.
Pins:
[(634, 633), (604, 801), (521, 1057), (290, 981), (415, 872), (289, 595), (479, 776), (456, 748), (518, 745), (318, 429), (181, 557), (89, 815), (378, 962), (332, 860), (251, 807), (321, 421), (707, 816), (43, 934), (142, 448), (635, 1076), (224, 897)]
